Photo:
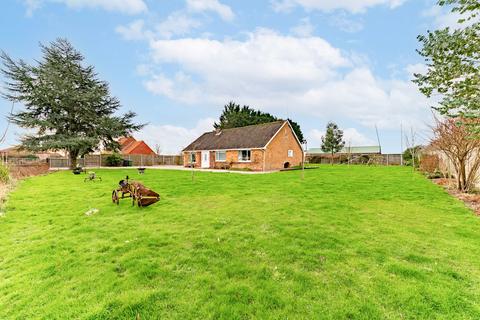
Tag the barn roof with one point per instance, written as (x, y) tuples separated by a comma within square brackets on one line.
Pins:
[(249, 137)]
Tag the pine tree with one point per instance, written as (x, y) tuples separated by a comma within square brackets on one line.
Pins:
[(332, 141), (66, 106), (234, 116)]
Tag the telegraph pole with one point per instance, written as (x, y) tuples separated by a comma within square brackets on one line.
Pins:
[(401, 144)]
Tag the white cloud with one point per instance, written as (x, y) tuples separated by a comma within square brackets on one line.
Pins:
[(172, 139), (304, 28), (344, 23), (351, 136), (273, 71), (124, 6), (177, 23), (353, 6), (224, 11), (134, 31), (31, 6)]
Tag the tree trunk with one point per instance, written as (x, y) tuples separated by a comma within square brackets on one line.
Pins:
[(461, 176), (464, 177), (73, 155), (331, 159)]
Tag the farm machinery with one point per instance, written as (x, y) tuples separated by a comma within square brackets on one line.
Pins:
[(140, 195)]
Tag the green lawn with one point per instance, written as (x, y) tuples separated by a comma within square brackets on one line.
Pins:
[(345, 243)]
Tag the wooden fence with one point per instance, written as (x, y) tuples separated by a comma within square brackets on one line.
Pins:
[(100, 160), (372, 159)]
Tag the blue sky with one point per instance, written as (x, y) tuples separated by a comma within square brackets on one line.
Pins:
[(176, 63)]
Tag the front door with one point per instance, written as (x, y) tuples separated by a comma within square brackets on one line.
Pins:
[(205, 159)]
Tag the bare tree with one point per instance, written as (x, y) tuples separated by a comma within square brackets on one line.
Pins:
[(410, 144), (349, 152), (158, 149), (455, 139)]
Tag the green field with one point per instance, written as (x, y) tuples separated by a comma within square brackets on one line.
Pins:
[(345, 243)]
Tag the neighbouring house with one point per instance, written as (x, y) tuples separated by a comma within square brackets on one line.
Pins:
[(264, 147), (131, 146)]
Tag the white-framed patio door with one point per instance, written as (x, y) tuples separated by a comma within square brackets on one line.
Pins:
[(205, 159)]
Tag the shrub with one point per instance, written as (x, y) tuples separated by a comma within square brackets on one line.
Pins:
[(435, 175), (408, 159), (429, 163), (4, 174), (364, 159), (114, 160), (343, 159)]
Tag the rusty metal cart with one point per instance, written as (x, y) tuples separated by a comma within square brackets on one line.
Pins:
[(140, 195)]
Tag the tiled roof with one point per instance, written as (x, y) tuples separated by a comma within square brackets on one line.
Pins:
[(249, 137), (131, 146)]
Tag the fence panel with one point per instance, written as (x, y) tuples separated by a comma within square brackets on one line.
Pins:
[(97, 160), (22, 160), (59, 162), (93, 160), (372, 159)]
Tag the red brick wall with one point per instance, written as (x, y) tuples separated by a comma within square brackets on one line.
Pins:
[(256, 163), (277, 151), (198, 158)]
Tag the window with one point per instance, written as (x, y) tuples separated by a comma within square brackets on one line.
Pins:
[(192, 157), (221, 156), (290, 153), (244, 155)]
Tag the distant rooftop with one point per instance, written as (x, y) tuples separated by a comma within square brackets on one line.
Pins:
[(352, 150)]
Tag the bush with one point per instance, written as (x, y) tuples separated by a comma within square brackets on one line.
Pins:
[(4, 174), (363, 159), (429, 163), (435, 175), (408, 159), (114, 160)]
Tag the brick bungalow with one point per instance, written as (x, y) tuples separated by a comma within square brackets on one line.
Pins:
[(263, 147)]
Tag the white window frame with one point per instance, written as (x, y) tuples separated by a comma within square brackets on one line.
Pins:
[(192, 157), (240, 159), (217, 153), (290, 153)]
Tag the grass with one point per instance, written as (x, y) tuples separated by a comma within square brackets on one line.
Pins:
[(345, 243)]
